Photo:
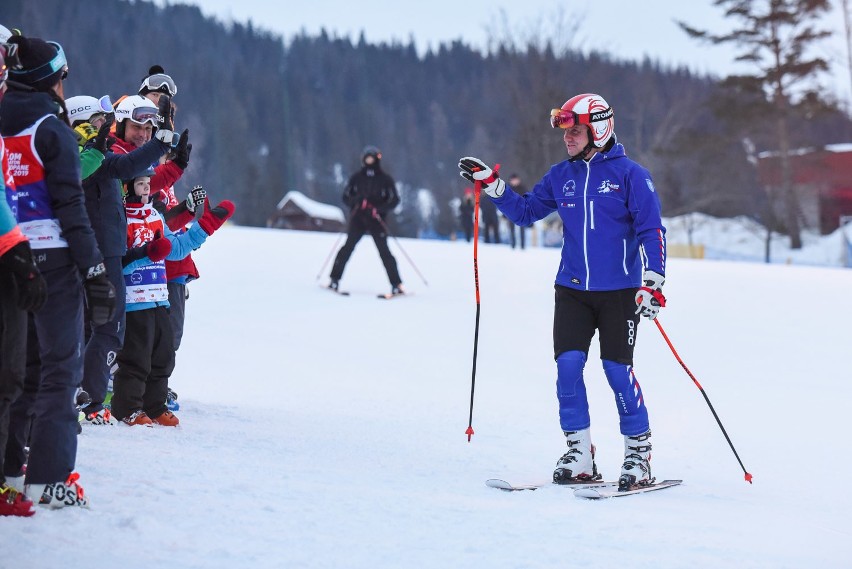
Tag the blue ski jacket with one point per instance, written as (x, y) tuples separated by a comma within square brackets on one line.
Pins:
[(609, 209)]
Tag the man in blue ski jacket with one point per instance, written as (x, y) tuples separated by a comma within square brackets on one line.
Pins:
[(612, 271)]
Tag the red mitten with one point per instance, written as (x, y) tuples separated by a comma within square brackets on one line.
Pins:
[(214, 218), (159, 249)]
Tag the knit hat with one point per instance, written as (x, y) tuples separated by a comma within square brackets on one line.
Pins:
[(158, 82), (43, 63)]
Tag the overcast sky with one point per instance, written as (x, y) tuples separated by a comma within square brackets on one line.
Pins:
[(628, 29)]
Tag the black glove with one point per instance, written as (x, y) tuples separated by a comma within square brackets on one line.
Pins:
[(195, 198), (474, 169), (103, 141), (32, 290), (182, 151), (100, 295), (134, 254), (165, 120)]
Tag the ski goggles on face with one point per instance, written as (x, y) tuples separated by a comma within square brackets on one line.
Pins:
[(58, 63), (141, 115), (560, 118), (158, 81)]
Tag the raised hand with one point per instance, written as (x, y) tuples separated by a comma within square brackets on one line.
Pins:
[(196, 197), (182, 151), (103, 141), (214, 218), (165, 124)]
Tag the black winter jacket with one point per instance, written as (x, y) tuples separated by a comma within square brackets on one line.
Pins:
[(57, 146), (103, 191), (371, 185)]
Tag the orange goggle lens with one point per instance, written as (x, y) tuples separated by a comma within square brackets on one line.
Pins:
[(560, 118)]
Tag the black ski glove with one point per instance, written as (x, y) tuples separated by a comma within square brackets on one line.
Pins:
[(103, 141), (32, 289), (165, 122), (100, 295), (183, 150), (196, 198)]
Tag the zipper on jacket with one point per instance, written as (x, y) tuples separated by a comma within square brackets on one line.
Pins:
[(586, 221), (592, 215), (624, 256)]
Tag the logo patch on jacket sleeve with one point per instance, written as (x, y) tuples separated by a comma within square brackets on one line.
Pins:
[(650, 184)]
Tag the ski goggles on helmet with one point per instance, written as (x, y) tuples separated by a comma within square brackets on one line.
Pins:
[(141, 115), (159, 80), (561, 118), (104, 108), (58, 63), (105, 105)]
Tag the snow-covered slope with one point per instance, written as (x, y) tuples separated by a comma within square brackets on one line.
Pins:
[(322, 431)]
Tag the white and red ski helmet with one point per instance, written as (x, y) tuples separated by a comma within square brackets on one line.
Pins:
[(588, 109)]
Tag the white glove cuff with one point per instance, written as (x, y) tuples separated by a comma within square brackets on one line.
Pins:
[(167, 136), (653, 280), (496, 188)]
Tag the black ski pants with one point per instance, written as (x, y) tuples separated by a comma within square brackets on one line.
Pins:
[(13, 348), (104, 342), (178, 295), (145, 363), (359, 226), (44, 415)]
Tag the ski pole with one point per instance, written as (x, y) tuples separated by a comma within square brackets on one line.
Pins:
[(707, 399), (327, 259), (398, 244), (477, 186)]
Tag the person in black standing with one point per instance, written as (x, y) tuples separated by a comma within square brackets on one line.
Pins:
[(490, 221), (466, 213), (370, 195), (520, 189), (48, 202)]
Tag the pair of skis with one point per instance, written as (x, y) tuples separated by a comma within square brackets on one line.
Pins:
[(388, 296), (595, 490)]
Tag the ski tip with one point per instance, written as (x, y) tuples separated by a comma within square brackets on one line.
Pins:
[(589, 493), (499, 484), (391, 296), (612, 491)]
